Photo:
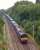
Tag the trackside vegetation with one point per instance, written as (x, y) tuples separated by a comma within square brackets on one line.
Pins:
[(27, 14), (1, 34)]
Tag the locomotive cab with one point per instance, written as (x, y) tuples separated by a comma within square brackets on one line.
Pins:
[(23, 37)]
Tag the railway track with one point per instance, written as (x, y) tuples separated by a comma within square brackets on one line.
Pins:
[(16, 44)]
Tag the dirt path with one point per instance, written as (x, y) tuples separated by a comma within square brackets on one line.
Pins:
[(9, 41)]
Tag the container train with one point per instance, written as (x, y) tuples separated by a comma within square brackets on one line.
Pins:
[(21, 35)]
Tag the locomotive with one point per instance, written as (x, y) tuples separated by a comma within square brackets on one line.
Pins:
[(21, 35)]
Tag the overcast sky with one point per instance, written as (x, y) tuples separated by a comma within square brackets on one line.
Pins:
[(4, 4)]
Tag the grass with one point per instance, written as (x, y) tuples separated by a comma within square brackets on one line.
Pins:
[(2, 40)]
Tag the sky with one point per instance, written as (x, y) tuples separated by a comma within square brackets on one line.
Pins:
[(4, 4)]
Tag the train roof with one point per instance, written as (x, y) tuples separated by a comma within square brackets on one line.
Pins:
[(9, 17), (13, 22), (18, 29), (21, 33)]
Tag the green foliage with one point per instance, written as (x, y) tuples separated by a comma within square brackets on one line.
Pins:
[(27, 14), (1, 29), (1, 32), (1, 25)]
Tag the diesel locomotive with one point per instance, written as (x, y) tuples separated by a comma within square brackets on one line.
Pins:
[(21, 35)]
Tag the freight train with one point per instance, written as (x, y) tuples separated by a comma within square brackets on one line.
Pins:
[(21, 35)]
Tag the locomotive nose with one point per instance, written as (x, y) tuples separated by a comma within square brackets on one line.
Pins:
[(24, 40)]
